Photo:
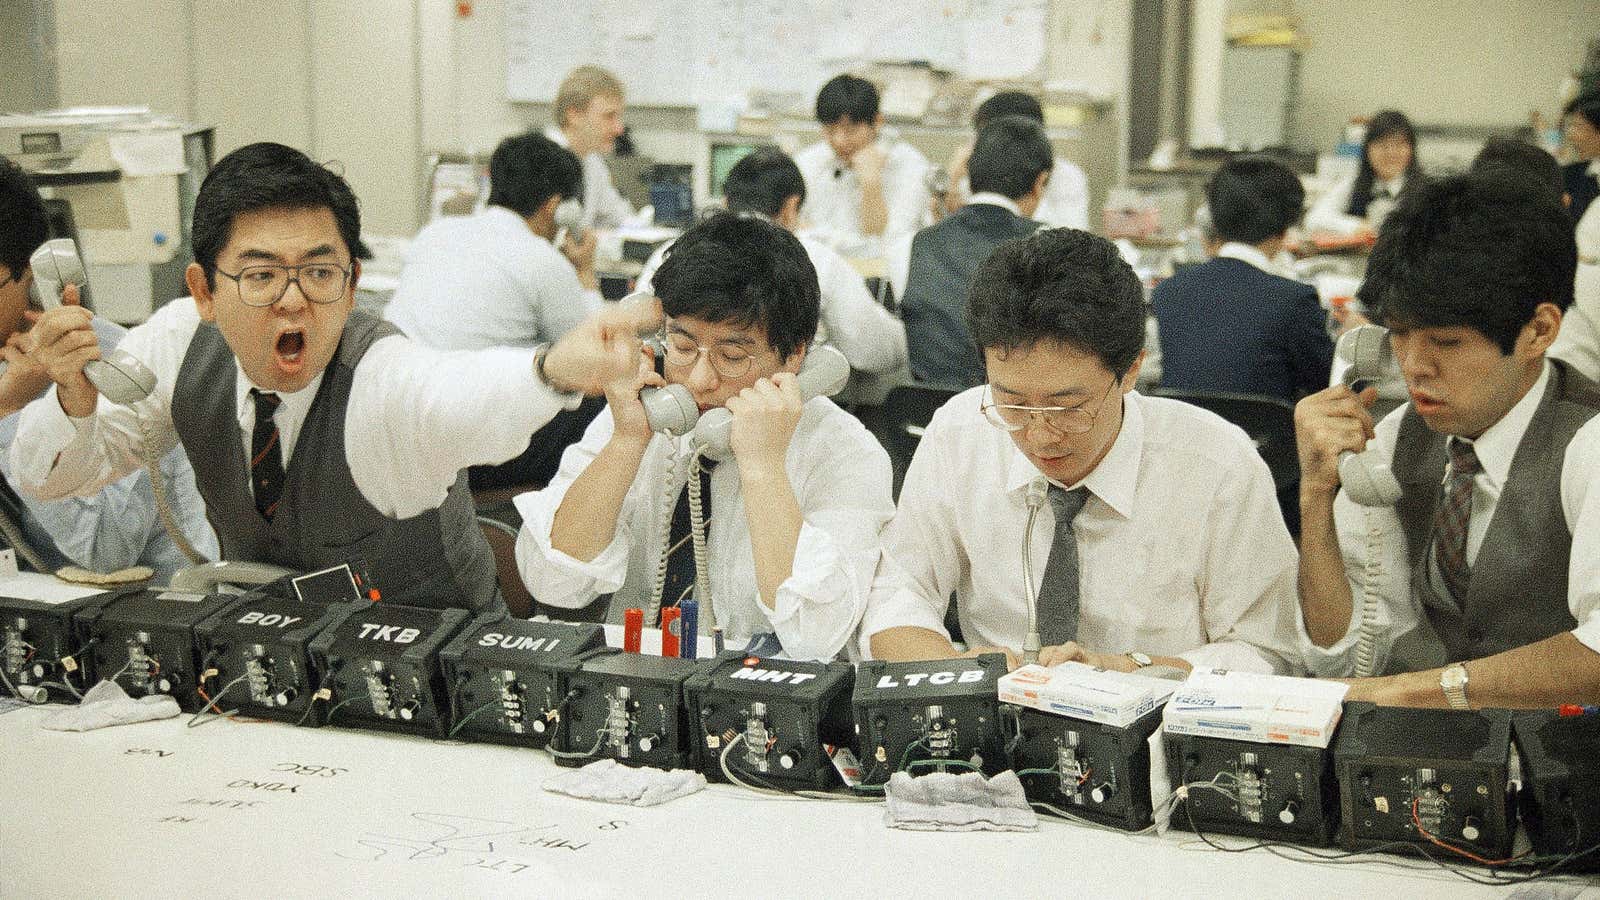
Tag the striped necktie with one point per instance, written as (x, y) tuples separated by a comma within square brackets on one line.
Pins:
[(266, 456), (1450, 524)]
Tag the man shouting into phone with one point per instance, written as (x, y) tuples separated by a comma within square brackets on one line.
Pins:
[(792, 519)]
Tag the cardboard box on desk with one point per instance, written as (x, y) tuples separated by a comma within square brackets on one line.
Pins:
[(1085, 692), (1247, 706)]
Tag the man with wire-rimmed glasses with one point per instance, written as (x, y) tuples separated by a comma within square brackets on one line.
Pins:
[(1147, 529), (318, 434)]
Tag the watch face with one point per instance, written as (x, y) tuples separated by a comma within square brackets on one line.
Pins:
[(1143, 659)]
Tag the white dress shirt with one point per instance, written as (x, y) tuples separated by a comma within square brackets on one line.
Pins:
[(416, 417), (869, 336), (1065, 203), (603, 205), (1328, 213), (1182, 547), (1398, 611), (841, 479), (833, 192), (1579, 340), (486, 280)]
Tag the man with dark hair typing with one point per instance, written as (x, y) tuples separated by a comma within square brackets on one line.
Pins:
[(1158, 537), (792, 521), (1486, 586), (318, 434)]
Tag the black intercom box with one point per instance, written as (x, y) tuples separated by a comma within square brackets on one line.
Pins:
[(382, 666), (41, 648), (628, 707), (145, 641), (1271, 791), (770, 721), (260, 646), (1406, 774), (929, 715), (1560, 796), (503, 679), (1090, 769)]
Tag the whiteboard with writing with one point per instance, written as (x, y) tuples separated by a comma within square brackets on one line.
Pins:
[(688, 52)]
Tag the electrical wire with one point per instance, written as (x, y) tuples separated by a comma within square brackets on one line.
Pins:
[(669, 499), (341, 705), (599, 738), (311, 704), (195, 720), (469, 716)]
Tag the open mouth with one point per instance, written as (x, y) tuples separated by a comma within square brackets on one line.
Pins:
[(290, 345)]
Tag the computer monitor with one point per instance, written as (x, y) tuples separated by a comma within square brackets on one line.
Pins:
[(723, 158)]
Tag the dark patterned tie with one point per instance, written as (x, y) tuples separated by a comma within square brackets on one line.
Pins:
[(1058, 590), (680, 561), (1450, 525), (266, 456)]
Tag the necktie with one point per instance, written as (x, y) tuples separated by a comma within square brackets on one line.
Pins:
[(1058, 590), (680, 560), (1450, 524), (266, 456)]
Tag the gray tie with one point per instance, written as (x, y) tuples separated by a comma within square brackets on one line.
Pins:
[(1058, 590)]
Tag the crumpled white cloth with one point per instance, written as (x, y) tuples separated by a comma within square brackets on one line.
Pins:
[(108, 704), (611, 782), (945, 801)]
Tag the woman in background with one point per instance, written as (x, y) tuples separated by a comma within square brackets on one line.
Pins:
[(1359, 203)]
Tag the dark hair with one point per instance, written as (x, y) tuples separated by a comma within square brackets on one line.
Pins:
[(847, 97), (1009, 156), (1253, 199), (1059, 284), (1586, 105), (24, 224), (762, 182), (1519, 159), (1479, 250), (528, 169), (1380, 126), (267, 176), (743, 271), (1007, 103)]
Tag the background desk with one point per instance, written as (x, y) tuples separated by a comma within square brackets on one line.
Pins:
[(247, 809)]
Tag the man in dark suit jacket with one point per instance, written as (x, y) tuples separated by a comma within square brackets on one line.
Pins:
[(1582, 118), (1232, 324), (1009, 168)]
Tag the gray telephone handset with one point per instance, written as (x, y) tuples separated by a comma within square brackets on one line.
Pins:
[(569, 218), (1370, 359), (206, 577), (120, 377), (672, 409)]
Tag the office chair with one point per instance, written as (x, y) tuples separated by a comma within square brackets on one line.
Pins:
[(900, 421), (502, 540), (1269, 421)]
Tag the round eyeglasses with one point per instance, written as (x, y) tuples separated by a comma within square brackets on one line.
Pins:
[(729, 360), (264, 285), (1059, 419)]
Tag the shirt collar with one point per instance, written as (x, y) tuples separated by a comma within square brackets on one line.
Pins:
[(1115, 479), (557, 135), (1594, 167), (994, 199), (294, 406), (1498, 444), (1394, 186), (1248, 254)]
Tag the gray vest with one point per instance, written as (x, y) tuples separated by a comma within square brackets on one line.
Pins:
[(437, 558), (938, 284), (1518, 592)]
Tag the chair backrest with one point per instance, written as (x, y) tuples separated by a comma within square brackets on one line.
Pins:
[(502, 540), (1269, 421), (900, 421)]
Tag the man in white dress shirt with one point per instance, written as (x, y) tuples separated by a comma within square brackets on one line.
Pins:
[(495, 279), (588, 111), (860, 181), (767, 183), (318, 434), (1485, 589), (1065, 200), (1157, 538), (792, 521)]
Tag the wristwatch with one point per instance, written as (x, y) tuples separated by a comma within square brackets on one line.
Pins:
[(569, 399), (1140, 660), (1453, 681)]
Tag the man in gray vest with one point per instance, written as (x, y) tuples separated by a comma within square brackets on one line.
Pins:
[(318, 434), (1009, 168), (1481, 585)]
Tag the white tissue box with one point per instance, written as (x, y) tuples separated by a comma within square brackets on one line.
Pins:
[(1246, 706), (1085, 692)]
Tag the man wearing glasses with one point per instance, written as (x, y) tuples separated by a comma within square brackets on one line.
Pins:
[(792, 520), (318, 434), (1157, 536)]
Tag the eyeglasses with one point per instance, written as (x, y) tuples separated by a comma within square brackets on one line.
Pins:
[(729, 360), (266, 284), (1059, 419)]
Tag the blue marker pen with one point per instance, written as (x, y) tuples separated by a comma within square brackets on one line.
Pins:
[(688, 628)]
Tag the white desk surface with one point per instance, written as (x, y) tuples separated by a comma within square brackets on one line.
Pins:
[(236, 809)]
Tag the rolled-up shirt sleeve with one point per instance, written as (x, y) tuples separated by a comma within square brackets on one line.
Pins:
[(1580, 501)]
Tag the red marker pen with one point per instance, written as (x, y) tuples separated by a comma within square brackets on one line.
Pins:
[(632, 628)]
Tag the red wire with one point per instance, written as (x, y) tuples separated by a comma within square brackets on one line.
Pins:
[(1417, 821)]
